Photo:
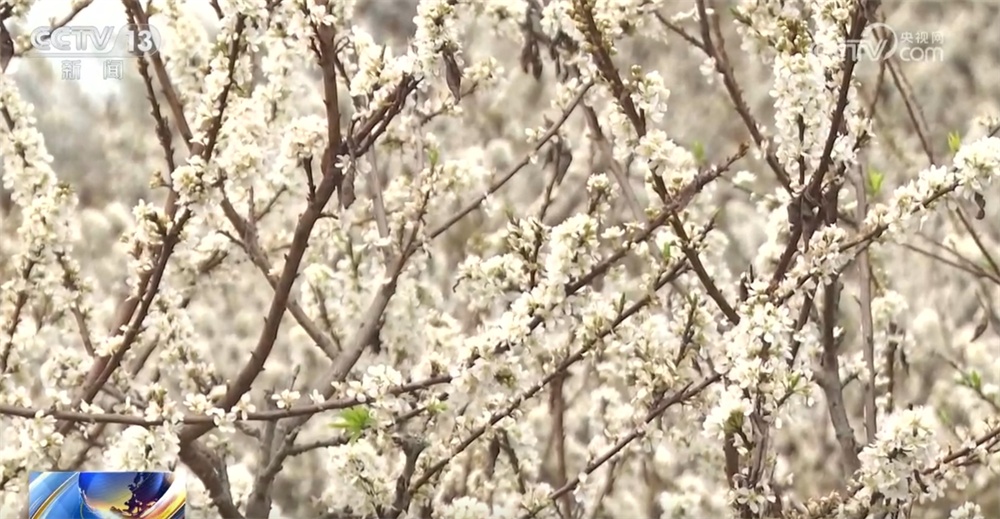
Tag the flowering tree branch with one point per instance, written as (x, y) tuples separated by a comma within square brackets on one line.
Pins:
[(531, 269)]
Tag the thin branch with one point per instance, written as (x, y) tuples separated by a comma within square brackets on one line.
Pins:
[(209, 421), (867, 328), (259, 258), (552, 131), (699, 269), (681, 396)]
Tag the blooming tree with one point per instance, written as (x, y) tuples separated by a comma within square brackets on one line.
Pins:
[(530, 259)]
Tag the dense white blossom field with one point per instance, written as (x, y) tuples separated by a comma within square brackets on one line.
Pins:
[(555, 259)]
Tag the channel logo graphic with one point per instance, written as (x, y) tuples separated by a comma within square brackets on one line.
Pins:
[(106, 495)]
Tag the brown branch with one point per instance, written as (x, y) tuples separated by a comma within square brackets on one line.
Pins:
[(149, 283), (557, 406), (699, 269), (717, 52), (15, 319), (105, 366), (332, 177), (805, 201), (163, 133), (828, 379), (203, 465), (969, 269), (202, 420), (134, 8), (912, 109), (978, 241), (678, 30)]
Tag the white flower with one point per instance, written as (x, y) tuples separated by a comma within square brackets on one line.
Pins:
[(967, 511), (744, 178), (244, 406), (464, 508), (286, 398), (198, 404), (362, 478), (729, 414), (138, 448), (379, 379), (905, 444)]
